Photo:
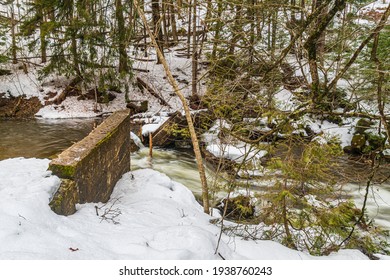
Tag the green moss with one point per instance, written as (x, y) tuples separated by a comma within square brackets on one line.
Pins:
[(375, 141), (362, 125), (63, 171), (179, 132), (358, 142), (107, 137), (56, 203), (65, 199)]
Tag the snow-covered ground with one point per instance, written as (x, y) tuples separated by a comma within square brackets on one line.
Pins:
[(379, 5), (158, 219)]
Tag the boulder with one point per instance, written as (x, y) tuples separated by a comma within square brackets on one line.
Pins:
[(362, 125), (358, 143)]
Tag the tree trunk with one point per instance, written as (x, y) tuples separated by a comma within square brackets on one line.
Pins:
[(252, 12), (194, 51), (320, 45), (274, 29), (13, 34), (157, 27), (189, 29), (311, 46), (165, 18), (42, 33), (123, 58), (236, 28), (194, 138), (175, 38), (218, 29)]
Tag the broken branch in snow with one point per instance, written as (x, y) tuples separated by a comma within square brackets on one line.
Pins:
[(110, 213), (143, 84)]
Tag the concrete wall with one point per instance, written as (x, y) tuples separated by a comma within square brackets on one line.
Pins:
[(90, 168)]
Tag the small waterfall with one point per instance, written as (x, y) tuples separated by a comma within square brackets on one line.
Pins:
[(136, 140)]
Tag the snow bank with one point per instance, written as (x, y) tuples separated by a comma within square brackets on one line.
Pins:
[(21, 84), (234, 150), (377, 5), (158, 219)]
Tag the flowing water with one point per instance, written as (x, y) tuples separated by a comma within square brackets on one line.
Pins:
[(45, 138), (181, 167)]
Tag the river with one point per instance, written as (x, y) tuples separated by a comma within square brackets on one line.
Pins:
[(46, 138), (41, 138)]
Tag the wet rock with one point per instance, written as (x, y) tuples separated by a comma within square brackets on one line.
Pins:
[(348, 149), (135, 108), (358, 143), (238, 208), (183, 144)]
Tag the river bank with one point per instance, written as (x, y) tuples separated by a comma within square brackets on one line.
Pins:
[(157, 219)]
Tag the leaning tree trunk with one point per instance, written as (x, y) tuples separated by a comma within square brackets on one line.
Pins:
[(194, 138), (351, 61)]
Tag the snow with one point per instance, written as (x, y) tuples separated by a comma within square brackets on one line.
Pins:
[(21, 84), (73, 108), (160, 219), (152, 123), (376, 5), (285, 100), (343, 132), (234, 150)]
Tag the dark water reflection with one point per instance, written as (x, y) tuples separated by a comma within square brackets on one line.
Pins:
[(41, 138)]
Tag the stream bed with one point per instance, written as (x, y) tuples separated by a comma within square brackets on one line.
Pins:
[(42, 138)]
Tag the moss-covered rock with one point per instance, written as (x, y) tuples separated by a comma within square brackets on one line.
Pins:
[(135, 108), (238, 208), (362, 125), (358, 143), (375, 141)]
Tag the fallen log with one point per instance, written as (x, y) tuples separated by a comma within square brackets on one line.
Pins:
[(163, 136), (142, 84)]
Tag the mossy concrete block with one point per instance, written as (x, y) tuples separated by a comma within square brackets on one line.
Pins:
[(65, 200), (98, 161)]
